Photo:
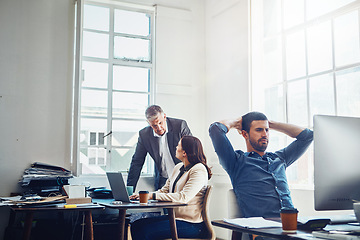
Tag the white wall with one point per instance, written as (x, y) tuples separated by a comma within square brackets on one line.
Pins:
[(35, 88), (227, 84), (180, 67)]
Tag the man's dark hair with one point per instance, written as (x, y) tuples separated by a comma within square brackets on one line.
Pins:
[(153, 111), (249, 117)]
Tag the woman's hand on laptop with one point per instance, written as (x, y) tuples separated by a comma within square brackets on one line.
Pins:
[(134, 197)]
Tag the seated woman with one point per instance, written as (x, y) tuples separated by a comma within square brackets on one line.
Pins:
[(187, 184)]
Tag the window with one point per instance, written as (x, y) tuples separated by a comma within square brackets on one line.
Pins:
[(116, 84), (305, 61)]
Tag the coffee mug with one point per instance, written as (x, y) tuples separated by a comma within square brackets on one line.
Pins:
[(130, 190)]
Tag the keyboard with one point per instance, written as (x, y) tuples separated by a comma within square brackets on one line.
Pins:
[(334, 219)]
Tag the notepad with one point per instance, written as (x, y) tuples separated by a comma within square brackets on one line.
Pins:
[(253, 222), (75, 191)]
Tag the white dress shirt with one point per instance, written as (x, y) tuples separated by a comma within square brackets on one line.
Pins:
[(167, 162)]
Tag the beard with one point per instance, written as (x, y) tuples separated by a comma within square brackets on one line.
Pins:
[(258, 145)]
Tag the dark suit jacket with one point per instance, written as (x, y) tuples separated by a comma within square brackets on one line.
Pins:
[(148, 143)]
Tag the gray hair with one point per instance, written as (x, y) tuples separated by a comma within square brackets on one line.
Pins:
[(152, 111)]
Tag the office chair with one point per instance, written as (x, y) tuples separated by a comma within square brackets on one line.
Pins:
[(205, 215), (234, 211)]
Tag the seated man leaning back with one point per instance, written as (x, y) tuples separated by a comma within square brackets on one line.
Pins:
[(258, 177)]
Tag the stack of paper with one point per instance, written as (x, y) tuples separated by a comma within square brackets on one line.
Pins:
[(41, 171), (253, 222), (44, 179)]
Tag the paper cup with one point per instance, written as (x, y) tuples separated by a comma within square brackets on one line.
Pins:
[(143, 197), (289, 219)]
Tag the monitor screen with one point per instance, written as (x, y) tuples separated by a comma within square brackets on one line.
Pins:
[(336, 162)]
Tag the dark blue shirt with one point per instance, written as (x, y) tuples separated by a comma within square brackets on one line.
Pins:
[(259, 183)]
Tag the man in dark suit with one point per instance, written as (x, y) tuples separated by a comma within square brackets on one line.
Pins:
[(159, 139)]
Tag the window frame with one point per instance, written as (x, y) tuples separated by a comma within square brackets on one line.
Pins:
[(111, 61), (283, 84)]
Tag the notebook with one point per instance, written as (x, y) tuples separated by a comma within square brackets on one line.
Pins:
[(118, 187)]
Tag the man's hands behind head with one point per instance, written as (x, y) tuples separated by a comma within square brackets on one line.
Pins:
[(235, 123)]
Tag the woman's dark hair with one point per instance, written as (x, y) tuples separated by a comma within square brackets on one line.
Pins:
[(194, 151), (248, 118)]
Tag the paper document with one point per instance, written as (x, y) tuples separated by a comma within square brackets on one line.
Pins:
[(253, 222), (334, 235)]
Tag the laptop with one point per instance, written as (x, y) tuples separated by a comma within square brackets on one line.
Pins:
[(118, 187)]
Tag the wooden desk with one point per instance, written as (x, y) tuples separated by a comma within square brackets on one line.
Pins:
[(123, 207), (276, 233), (31, 210)]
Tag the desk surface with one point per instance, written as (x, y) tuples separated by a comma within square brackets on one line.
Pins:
[(56, 207), (124, 205), (275, 232)]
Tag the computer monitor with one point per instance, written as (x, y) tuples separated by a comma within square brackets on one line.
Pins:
[(336, 162)]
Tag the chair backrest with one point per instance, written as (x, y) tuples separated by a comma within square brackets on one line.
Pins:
[(205, 213), (234, 210), (206, 216)]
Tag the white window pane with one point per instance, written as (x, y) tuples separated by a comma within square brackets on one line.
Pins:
[(316, 8), (277, 140), (131, 79), (92, 156), (301, 172), (125, 132), (88, 126), (95, 45), (121, 159), (293, 13), (131, 22), (319, 48), (101, 157), (101, 139), (130, 105), (274, 103), (92, 138), (297, 103), (96, 18), (295, 55), (95, 74), (321, 95), (348, 92), (346, 37), (272, 16), (93, 160), (94, 103), (273, 61), (132, 48)]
